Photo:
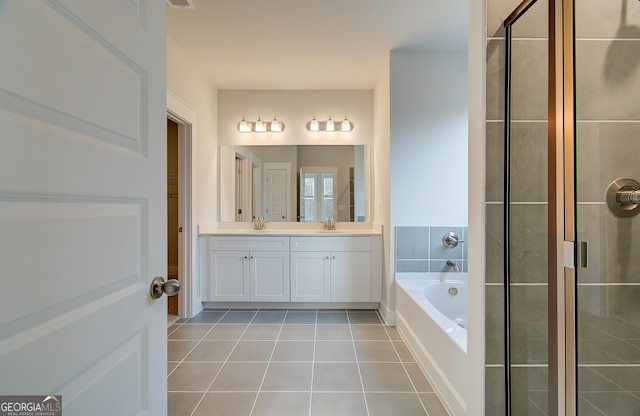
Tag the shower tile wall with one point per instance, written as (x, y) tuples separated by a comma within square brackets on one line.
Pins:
[(528, 208), (419, 249)]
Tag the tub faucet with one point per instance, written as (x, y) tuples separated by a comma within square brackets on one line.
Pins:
[(453, 264)]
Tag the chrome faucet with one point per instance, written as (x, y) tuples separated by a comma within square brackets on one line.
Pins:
[(453, 264), (329, 224), (258, 223)]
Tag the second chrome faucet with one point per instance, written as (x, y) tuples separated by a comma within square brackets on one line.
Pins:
[(329, 224)]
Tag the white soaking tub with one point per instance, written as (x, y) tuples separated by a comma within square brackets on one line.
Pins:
[(431, 316)]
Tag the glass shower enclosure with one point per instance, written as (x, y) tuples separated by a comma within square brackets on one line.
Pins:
[(571, 289)]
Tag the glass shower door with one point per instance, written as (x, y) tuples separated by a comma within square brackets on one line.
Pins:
[(607, 110), (525, 212)]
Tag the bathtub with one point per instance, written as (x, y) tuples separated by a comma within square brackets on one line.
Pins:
[(431, 317)]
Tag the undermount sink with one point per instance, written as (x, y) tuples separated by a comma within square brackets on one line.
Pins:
[(330, 231), (256, 231)]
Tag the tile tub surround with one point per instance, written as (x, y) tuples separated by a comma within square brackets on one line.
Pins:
[(293, 362), (419, 249)]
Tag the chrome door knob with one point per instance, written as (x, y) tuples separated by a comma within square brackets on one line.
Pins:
[(159, 286)]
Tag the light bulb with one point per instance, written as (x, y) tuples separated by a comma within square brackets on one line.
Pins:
[(260, 126), (330, 126), (313, 126), (243, 127), (275, 126), (346, 126)]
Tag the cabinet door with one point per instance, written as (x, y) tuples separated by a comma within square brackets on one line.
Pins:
[(310, 280), (351, 276), (270, 276), (229, 275)]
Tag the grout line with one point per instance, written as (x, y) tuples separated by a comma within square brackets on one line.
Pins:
[(266, 370), (313, 361), (197, 343), (355, 352), (225, 361), (407, 371)]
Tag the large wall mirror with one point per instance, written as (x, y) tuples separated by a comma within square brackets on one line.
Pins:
[(295, 183)]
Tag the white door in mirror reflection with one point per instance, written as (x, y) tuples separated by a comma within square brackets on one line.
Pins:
[(317, 192), (276, 188), (240, 191)]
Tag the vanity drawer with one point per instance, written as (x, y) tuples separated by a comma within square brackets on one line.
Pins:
[(332, 243), (249, 243)]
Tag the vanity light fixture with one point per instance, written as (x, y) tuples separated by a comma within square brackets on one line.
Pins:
[(329, 125), (314, 125), (275, 125), (346, 125), (260, 126), (244, 127)]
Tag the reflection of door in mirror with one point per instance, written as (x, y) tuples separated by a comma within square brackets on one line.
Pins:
[(317, 192), (276, 191), (240, 190), (256, 185)]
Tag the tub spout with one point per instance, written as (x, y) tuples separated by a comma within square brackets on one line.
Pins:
[(453, 264)]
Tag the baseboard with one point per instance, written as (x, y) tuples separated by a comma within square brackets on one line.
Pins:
[(388, 315), (292, 305)]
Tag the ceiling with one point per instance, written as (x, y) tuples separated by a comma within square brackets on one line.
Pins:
[(306, 44)]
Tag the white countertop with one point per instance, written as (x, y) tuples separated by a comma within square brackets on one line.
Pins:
[(287, 229)]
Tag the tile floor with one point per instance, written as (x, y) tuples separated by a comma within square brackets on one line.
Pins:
[(293, 363)]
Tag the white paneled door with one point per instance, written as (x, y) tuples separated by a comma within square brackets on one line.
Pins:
[(276, 188), (83, 203)]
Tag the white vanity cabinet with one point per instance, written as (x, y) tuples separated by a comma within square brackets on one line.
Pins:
[(332, 269), (248, 269)]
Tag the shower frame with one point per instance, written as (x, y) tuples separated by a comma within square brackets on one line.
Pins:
[(562, 394)]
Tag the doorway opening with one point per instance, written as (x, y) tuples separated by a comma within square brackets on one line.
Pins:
[(173, 217), (180, 234)]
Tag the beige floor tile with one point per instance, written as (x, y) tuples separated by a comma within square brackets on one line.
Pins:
[(336, 377), (388, 404), (240, 377), (192, 376), (338, 404), (225, 404), (282, 404)]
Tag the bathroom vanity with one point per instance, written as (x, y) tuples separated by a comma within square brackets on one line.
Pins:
[(291, 266)]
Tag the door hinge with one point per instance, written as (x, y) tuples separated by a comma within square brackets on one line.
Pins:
[(179, 229)]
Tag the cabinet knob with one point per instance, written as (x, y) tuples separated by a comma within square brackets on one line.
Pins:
[(334, 257), (245, 257), (251, 257), (326, 258)]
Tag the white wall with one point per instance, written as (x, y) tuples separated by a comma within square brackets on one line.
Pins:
[(188, 83), (381, 185), (429, 133), (422, 127)]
